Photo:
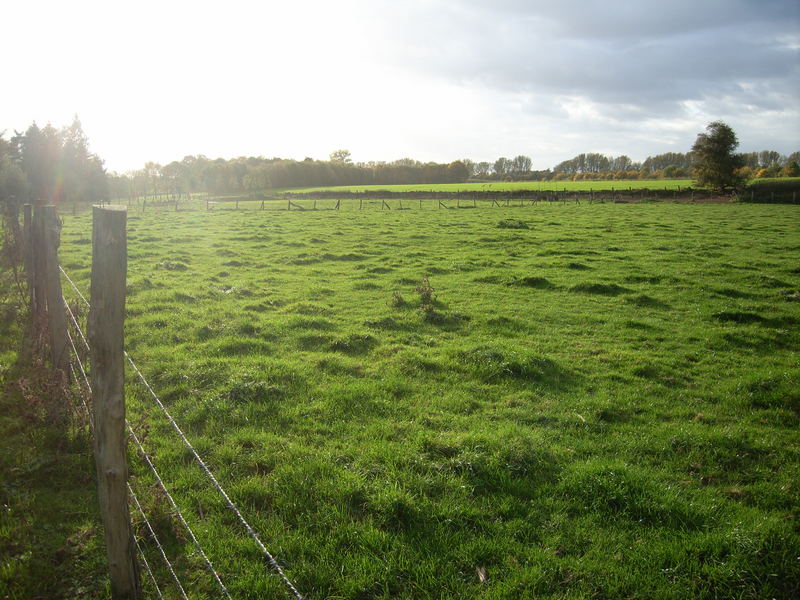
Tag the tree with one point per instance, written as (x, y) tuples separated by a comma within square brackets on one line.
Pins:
[(341, 156), (714, 160), (521, 165), (457, 172), (502, 166), (792, 169)]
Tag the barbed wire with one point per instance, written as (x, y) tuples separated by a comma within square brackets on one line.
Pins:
[(82, 396), (72, 283), (178, 513), (233, 508), (145, 457), (157, 542), (147, 568)]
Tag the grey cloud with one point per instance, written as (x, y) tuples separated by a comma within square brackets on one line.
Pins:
[(634, 59)]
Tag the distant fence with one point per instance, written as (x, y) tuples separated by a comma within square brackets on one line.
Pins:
[(94, 362)]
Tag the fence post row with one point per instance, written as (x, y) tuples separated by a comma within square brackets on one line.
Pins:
[(105, 328)]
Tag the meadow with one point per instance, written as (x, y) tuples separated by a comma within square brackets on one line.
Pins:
[(583, 401), (507, 186)]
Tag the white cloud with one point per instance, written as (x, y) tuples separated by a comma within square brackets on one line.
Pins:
[(434, 80)]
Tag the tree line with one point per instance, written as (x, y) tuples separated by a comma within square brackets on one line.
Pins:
[(48, 165), (252, 174), (248, 174)]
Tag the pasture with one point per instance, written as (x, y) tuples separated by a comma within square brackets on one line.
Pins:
[(544, 401), (507, 186)]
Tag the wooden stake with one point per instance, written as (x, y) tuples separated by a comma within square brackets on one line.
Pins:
[(27, 249), (56, 317), (107, 339), (38, 304)]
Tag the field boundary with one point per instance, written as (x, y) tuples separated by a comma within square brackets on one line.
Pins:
[(90, 374)]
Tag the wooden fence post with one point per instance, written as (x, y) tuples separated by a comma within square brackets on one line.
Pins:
[(106, 339), (38, 305), (56, 317), (27, 249)]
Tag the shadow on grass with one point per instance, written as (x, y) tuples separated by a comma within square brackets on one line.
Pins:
[(744, 318), (493, 365), (600, 289)]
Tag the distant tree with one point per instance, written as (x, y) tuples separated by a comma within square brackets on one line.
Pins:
[(341, 156), (521, 165), (767, 158), (457, 172), (482, 169), (791, 169), (502, 166), (715, 162)]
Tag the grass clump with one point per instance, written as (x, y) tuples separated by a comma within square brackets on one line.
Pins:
[(620, 491), (512, 224)]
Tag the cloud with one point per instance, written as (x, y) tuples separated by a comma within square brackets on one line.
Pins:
[(629, 59), (431, 79)]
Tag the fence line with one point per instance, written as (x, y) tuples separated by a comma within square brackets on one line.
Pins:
[(250, 531), (158, 543), (83, 399), (230, 504), (149, 463), (105, 330), (148, 569), (178, 513)]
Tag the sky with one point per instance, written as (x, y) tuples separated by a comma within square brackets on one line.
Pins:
[(434, 80)]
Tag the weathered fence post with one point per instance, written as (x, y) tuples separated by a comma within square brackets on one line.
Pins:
[(106, 338), (56, 318), (27, 249), (38, 304)]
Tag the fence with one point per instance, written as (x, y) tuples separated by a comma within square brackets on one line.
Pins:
[(95, 361)]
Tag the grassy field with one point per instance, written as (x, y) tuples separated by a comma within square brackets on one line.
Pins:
[(505, 186), (583, 401)]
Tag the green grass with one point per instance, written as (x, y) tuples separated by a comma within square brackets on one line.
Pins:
[(50, 540), (592, 401), (505, 186)]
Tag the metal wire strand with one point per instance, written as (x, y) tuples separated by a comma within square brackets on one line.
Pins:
[(158, 543), (147, 568), (153, 469), (250, 531), (75, 323), (82, 396), (178, 513), (74, 287)]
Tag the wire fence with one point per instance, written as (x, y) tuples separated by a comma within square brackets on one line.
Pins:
[(74, 331)]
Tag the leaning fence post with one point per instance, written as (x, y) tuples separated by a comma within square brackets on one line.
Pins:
[(56, 319), (106, 339)]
